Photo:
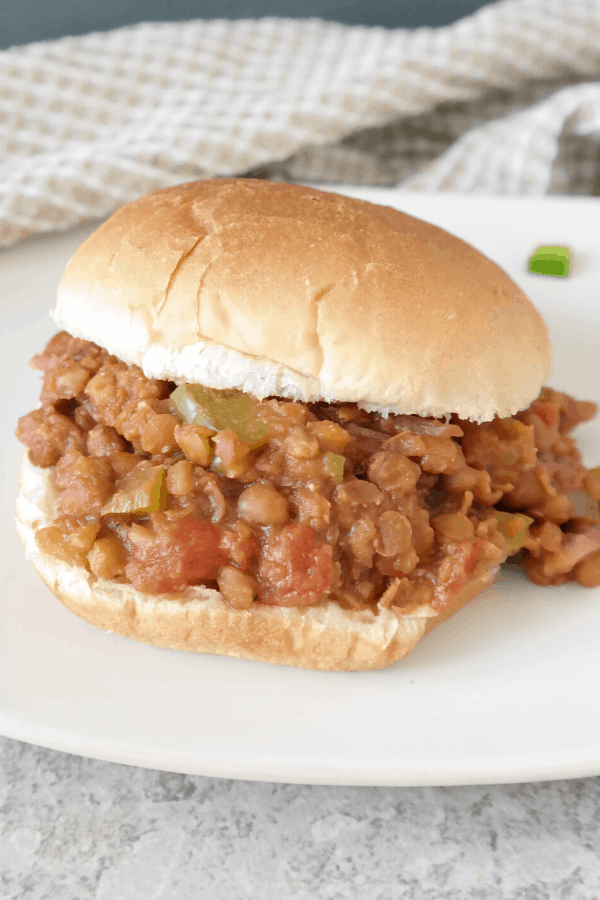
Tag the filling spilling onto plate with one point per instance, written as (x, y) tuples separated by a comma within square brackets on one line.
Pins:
[(292, 504)]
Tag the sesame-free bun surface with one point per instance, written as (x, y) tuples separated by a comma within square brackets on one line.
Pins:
[(279, 289), (324, 637)]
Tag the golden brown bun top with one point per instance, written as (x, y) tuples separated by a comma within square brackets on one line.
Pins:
[(282, 289)]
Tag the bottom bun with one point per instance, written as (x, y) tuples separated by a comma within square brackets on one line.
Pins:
[(324, 637)]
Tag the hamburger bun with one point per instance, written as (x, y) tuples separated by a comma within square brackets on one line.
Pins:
[(282, 290), (275, 288)]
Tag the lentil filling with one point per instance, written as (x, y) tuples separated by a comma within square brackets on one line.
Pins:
[(329, 502)]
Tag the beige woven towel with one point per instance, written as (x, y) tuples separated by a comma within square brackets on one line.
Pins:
[(507, 101)]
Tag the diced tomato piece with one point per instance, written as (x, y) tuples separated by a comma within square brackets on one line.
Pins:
[(294, 571), (199, 546), (167, 557)]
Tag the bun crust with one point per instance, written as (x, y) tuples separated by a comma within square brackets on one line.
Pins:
[(279, 289), (324, 637)]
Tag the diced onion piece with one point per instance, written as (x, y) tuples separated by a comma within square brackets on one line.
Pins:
[(578, 546), (140, 492), (334, 465), (514, 527), (548, 413), (584, 504)]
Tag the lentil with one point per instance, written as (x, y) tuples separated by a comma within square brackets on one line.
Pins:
[(410, 521)]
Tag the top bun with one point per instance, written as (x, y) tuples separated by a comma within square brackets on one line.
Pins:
[(280, 289)]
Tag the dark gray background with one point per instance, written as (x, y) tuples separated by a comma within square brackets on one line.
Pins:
[(23, 21)]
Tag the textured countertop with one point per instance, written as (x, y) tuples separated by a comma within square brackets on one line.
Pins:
[(78, 829)]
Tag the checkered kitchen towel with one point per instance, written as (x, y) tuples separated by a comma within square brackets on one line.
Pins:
[(505, 101)]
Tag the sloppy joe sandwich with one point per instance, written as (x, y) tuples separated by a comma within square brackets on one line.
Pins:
[(290, 426)]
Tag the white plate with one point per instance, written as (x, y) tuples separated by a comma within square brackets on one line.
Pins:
[(507, 690)]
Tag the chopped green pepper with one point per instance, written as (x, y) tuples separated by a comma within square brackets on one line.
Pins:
[(551, 261), (514, 527), (334, 465), (221, 410), (139, 492)]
